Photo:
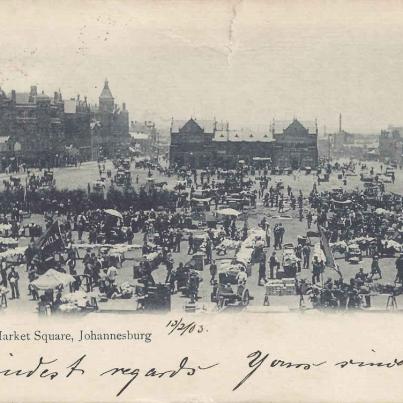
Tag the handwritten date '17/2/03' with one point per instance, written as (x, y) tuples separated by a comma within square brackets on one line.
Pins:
[(178, 326)]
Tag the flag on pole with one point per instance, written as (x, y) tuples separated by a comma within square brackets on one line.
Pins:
[(51, 241), (327, 251), (326, 248)]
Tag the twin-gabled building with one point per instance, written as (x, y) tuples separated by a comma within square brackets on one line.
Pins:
[(202, 144)]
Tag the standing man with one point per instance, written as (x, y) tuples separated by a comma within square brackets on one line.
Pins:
[(309, 218), (169, 265), (306, 252), (262, 270), (268, 235), (276, 236), (281, 204), (209, 251), (213, 271), (3, 272), (399, 268), (316, 270), (13, 278), (191, 245), (129, 236), (375, 269), (272, 264), (29, 254)]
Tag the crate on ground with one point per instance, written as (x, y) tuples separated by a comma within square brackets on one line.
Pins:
[(280, 287)]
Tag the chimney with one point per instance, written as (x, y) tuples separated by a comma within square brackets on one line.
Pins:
[(55, 97), (340, 123), (124, 106), (13, 96)]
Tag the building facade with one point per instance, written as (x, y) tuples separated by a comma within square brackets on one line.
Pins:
[(110, 125), (192, 143), (202, 144), (295, 144), (33, 121), (39, 128), (144, 138)]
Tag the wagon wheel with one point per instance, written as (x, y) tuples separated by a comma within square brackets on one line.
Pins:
[(245, 297)]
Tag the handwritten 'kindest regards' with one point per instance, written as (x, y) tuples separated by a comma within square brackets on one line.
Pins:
[(46, 369)]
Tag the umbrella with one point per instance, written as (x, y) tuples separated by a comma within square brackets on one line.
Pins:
[(229, 211), (52, 279), (114, 213)]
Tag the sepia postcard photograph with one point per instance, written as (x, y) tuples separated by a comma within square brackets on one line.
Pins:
[(201, 201)]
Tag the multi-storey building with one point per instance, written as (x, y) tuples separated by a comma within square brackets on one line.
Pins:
[(40, 128), (34, 124)]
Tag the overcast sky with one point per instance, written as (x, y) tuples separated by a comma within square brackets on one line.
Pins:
[(242, 61)]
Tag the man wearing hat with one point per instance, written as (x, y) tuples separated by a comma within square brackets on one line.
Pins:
[(399, 268), (13, 278), (273, 263), (375, 269), (361, 275), (87, 256)]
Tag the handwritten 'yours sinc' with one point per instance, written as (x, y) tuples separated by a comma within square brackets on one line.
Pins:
[(257, 359)]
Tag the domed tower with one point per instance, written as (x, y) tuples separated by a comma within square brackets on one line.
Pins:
[(106, 100)]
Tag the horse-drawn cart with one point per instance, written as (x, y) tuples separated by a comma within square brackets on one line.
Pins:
[(224, 294)]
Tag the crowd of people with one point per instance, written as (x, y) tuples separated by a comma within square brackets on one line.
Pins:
[(161, 220)]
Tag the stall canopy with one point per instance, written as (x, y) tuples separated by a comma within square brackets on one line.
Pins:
[(52, 279), (229, 212), (261, 159), (342, 201), (114, 213)]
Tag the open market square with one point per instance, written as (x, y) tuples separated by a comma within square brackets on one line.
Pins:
[(248, 239)]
